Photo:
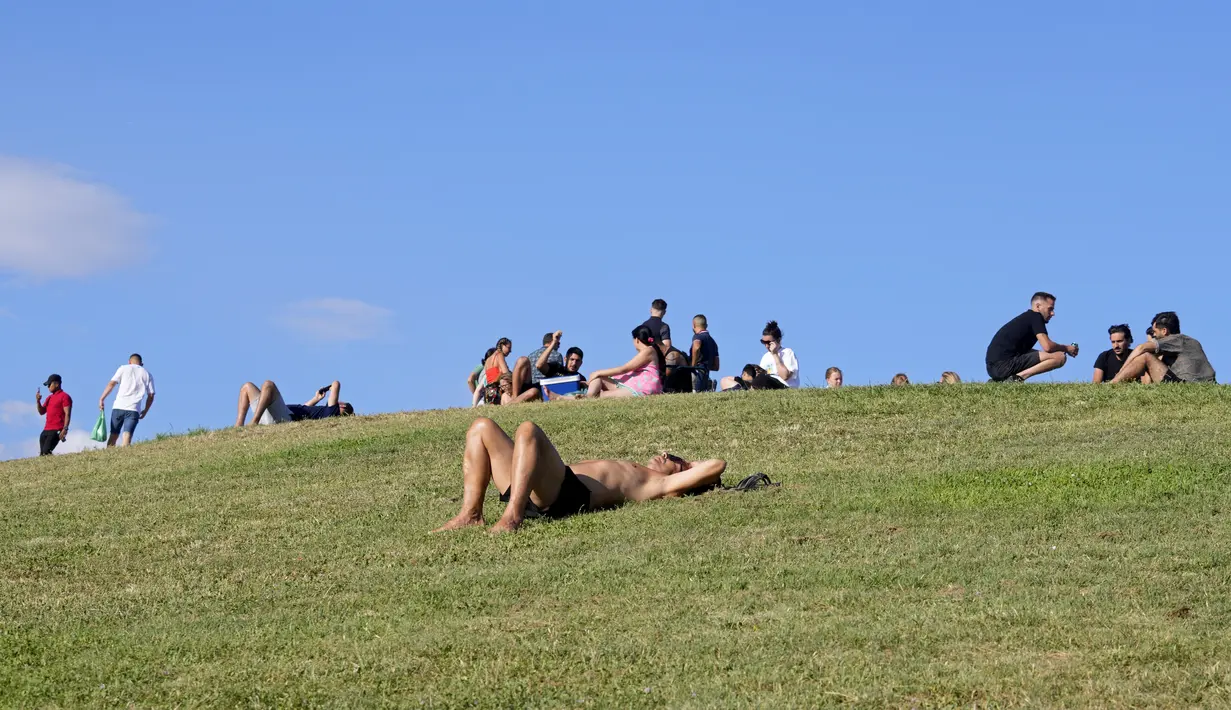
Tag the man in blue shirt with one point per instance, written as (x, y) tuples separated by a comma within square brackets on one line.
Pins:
[(704, 354)]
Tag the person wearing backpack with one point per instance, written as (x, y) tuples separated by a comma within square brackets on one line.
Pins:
[(132, 401)]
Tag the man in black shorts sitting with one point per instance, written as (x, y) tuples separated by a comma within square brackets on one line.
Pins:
[(1168, 356), (1011, 356), (528, 471)]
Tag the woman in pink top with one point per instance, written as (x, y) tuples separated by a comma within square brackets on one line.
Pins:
[(638, 377)]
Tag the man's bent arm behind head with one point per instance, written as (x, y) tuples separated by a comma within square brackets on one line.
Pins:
[(701, 473)]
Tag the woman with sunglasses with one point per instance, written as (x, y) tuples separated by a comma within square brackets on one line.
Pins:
[(779, 369), (778, 362)]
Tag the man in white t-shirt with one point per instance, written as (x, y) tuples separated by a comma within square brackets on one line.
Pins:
[(133, 399)]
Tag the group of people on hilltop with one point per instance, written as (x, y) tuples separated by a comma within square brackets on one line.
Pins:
[(656, 366), (1167, 355), (134, 388)]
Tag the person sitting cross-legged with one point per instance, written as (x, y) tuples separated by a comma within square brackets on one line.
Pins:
[(530, 475), (268, 406), (1169, 356), (1011, 356)]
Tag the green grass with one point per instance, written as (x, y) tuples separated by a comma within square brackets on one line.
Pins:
[(931, 546)]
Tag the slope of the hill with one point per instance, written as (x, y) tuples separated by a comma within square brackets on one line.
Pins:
[(1015, 545)]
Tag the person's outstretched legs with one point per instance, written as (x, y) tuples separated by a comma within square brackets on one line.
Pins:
[(538, 473), (248, 394), (268, 391), (488, 457), (1047, 363)]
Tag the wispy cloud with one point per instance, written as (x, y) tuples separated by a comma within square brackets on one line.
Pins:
[(76, 441), (14, 412), (55, 225), (336, 319)]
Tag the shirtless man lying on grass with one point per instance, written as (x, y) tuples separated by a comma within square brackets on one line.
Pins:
[(528, 471)]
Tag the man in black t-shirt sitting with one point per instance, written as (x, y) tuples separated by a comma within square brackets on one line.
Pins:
[(1011, 356), (655, 323), (1109, 362)]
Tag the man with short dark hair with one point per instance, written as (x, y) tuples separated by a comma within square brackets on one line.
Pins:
[(542, 363), (1109, 362), (132, 401), (704, 355), (270, 408), (661, 331), (1169, 356), (59, 411), (530, 476), (1011, 356), (572, 362)]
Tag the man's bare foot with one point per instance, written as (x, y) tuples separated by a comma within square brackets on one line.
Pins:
[(461, 521), (505, 525)]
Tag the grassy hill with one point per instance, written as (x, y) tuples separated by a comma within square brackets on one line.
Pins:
[(931, 546)]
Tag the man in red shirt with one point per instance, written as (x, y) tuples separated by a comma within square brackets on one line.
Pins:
[(59, 410)]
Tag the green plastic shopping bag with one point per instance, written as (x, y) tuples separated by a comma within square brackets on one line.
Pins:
[(100, 428)]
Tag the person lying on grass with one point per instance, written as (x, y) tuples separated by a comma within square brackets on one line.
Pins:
[(268, 407), (528, 472)]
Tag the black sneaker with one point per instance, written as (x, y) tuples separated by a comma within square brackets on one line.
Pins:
[(1016, 378)]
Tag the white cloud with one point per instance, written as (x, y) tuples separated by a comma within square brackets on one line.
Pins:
[(56, 225), (76, 441), (336, 319), (16, 412)]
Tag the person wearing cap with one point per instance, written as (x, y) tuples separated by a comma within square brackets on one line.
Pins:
[(136, 389), (59, 411)]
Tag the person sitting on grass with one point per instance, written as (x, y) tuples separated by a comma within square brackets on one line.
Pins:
[(833, 378), (531, 477), (495, 365), (1107, 365), (269, 407), (477, 379), (1011, 356), (950, 377), (1169, 356), (636, 378), (778, 363), (543, 363), (900, 379)]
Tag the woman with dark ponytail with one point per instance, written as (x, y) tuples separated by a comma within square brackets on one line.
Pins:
[(780, 369), (496, 367), (643, 375)]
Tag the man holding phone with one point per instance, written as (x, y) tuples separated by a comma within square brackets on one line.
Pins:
[(268, 406), (59, 411)]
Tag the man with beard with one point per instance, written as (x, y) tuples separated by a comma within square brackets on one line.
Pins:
[(1011, 356), (1109, 362)]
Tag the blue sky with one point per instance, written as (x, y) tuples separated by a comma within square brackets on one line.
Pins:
[(376, 192)]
